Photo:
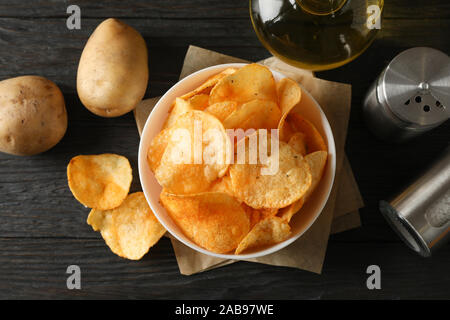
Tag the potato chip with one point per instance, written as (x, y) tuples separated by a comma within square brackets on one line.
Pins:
[(157, 148), (214, 221), (222, 185), (101, 220), (289, 94), (275, 183), (316, 162), (179, 107), (199, 101), (99, 181), (266, 232), (248, 83), (206, 87), (136, 226), (313, 139), (196, 154), (255, 114), (288, 212), (221, 110), (256, 215), (297, 142), (129, 230)]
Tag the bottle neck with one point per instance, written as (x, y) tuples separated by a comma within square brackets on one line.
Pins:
[(321, 7)]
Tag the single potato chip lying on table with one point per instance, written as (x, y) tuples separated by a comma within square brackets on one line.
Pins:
[(99, 181), (214, 221), (195, 154), (275, 182), (129, 230), (248, 83), (266, 232)]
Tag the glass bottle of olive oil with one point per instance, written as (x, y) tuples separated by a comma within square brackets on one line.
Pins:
[(316, 34)]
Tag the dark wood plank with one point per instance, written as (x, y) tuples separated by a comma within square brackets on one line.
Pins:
[(193, 9), (49, 49), (43, 263)]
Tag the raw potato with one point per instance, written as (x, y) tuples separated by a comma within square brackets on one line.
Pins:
[(113, 71), (33, 115)]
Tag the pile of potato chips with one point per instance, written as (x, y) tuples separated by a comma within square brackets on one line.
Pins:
[(232, 206), (125, 221)]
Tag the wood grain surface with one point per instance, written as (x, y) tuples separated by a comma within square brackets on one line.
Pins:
[(43, 228)]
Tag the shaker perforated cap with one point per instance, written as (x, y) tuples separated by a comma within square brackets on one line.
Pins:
[(416, 86)]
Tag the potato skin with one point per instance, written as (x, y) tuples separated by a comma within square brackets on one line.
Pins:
[(33, 115), (113, 70)]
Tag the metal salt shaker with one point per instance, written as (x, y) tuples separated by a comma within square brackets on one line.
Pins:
[(421, 213), (411, 96)]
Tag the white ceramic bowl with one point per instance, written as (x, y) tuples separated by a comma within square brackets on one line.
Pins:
[(300, 223)]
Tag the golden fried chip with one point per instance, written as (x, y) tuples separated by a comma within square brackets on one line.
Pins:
[(222, 185), (101, 220), (129, 230), (196, 154), (199, 101), (209, 84), (99, 181), (179, 107), (214, 221), (251, 82), (297, 142), (136, 226), (256, 215), (269, 231), (289, 94), (221, 110), (157, 148), (287, 212), (255, 114), (275, 182), (314, 141), (316, 161)]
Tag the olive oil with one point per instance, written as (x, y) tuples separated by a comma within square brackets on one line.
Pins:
[(316, 34)]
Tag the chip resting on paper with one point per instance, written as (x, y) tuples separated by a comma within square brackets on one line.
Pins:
[(99, 181), (129, 230), (214, 221)]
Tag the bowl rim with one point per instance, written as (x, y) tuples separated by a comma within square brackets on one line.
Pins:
[(268, 250)]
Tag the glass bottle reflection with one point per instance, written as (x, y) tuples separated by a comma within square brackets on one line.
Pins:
[(316, 34)]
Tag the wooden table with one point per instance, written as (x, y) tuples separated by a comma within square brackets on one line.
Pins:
[(43, 228)]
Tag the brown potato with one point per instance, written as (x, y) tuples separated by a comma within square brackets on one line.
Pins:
[(33, 115), (113, 70)]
